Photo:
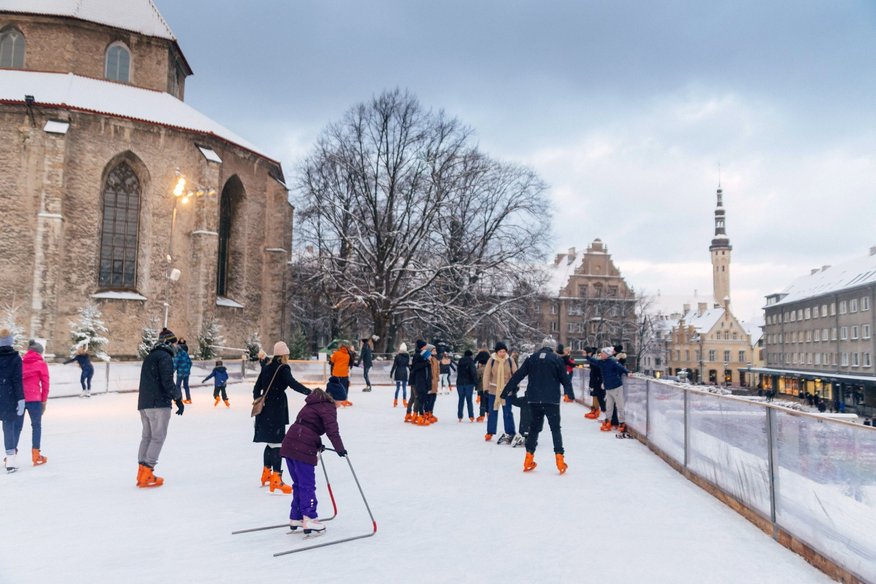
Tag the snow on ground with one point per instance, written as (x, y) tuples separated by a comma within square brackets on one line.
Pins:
[(449, 506)]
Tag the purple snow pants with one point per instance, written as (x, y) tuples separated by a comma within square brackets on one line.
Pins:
[(303, 489)]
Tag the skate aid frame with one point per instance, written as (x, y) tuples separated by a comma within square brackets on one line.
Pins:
[(346, 539), (331, 496)]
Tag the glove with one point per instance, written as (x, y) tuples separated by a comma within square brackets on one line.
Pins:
[(322, 448), (342, 453), (19, 411), (180, 407), (44, 408)]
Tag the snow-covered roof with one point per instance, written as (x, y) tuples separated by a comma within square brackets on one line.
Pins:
[(754, 328), (135, 15), (115, 99), (705, 321), (561, 271), (857, 272)]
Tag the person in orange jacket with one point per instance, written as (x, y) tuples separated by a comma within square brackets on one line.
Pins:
[(341, 361)]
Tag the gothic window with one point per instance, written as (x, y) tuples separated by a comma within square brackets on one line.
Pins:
[(118, 63), (120, 228), (231, 237), (224, 239), (11, 48)]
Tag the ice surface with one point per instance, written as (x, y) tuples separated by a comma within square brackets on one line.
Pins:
[(449, 506)]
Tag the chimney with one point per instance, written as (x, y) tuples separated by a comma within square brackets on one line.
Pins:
[(814, 271), (823, 268), (686, 308), (701, 308)]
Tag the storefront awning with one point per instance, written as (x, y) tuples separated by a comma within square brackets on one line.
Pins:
[(822, 375)]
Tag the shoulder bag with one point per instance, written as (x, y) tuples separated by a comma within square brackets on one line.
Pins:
[(259, 403)]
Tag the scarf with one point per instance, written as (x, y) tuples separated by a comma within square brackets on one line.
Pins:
[(500, 380)]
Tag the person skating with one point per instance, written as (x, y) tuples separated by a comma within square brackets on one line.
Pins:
[(182, 364), (219, 375), (341, 360), (497, 372), (270, 424), (421, 382), (547, 379), (84, 361), (367, 360), (12, 401), (300, 448), (157, 392), (399, 374), (612, 373), (481, 361), (466, 380), (597, 393), (35, 379), (566, 356), (446, 368), (435, 365)]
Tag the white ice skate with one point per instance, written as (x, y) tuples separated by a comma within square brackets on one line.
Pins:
[(296, 526), (11, 466), (518, 440), (504, 439), (312, 527)]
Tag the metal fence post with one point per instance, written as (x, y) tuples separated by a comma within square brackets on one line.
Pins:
[(647, 408), (243, 367), (772, 456), (107, 376), (686, 427)]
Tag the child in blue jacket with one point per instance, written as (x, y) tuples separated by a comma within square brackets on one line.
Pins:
[(220, 378)]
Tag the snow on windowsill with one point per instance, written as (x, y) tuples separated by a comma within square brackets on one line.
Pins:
[(227, 302), (118, 296)]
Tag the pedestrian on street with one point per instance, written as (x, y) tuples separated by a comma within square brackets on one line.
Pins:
[(35, 379), (12, 402), (497, 372)]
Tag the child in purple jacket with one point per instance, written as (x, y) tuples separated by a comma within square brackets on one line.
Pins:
[(300, 448)]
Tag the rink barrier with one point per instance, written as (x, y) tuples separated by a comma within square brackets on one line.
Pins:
[(806, 480)]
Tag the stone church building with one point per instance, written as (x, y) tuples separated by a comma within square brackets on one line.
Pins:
[(115, 191)]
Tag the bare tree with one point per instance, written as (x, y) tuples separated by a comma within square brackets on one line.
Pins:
[(411, 225)]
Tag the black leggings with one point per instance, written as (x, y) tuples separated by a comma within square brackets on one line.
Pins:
[(539, 412), (221, 388), (272, 459)]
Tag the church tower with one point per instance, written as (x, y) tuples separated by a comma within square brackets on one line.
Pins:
[(720, 250)]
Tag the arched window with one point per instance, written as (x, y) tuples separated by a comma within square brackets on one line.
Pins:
[(118, 63), (11, 48), (120, 229), (230, 238)]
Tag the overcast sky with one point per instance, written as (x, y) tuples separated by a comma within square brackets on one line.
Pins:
[(626, 108)]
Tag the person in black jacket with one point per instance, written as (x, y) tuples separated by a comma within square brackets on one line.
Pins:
[(367, 360), (597, 393), (399, 374), (421, 382), (547, 374), (466, 380), (481, 360), (270, 424), (157, 391), (11, 398)]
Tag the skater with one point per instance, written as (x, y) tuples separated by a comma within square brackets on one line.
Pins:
[(270, 424), (566, 357), (399, 374), (341, 360), (367, 360), (220, 379), (11, 398), (182, 363), (435, 365), (547, 375), (300, 448), (157, 391), (597, 393), (421, 383), (497, 372), (481, 360), (446, 368), (612, 373), (35, 379), (466, 380), (84, 361)]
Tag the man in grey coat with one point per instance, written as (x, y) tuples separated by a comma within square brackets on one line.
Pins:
[(157, 392)]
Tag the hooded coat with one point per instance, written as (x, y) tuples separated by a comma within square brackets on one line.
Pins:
[(11, 388), (400, 364), (157, 389), (466, 372), (35, 377), (318, 416), (341, 362), (270, 425), (421, 374)]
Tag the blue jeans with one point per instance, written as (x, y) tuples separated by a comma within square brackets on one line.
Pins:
[(183, 380), (365, 375), (493, 416), (403, 386), (35, 411), (465, 393), (85, 378), (11, 431)]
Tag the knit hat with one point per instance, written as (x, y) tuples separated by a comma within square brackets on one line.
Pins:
[(33, 345), (618, 348), (166, 336), (420, 344), (500, 346), (280, 348), (335, 388), (559, 348), (468, 353), (551, 343), (607, 350), (403, 348), (6, 338)]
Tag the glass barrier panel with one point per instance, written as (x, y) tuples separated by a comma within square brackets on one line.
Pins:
[(636, 403), (666, 419)]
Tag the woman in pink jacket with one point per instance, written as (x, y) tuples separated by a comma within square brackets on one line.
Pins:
[(35, 378)]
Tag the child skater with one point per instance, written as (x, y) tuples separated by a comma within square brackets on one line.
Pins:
[(300, 448), (220, 378)]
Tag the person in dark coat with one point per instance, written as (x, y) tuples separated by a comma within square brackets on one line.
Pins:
[(547, 376), (219, 375), (481, 360), (300, 448), (466, 380), (182, 363), (367, 360), (399, 374), (597, 393), (270, 424), (421, 382), (84, 361), (12, 402), (157, 392), (612, 378)]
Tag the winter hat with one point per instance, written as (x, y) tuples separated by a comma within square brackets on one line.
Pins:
[(607, 350), (500, 346), (33, 345), (618, 348), (403, 348), (559, 348), (420, 344), (166, 336), (280, 348), (335, 388), (468, 353), (6, 338), (551, 343)]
